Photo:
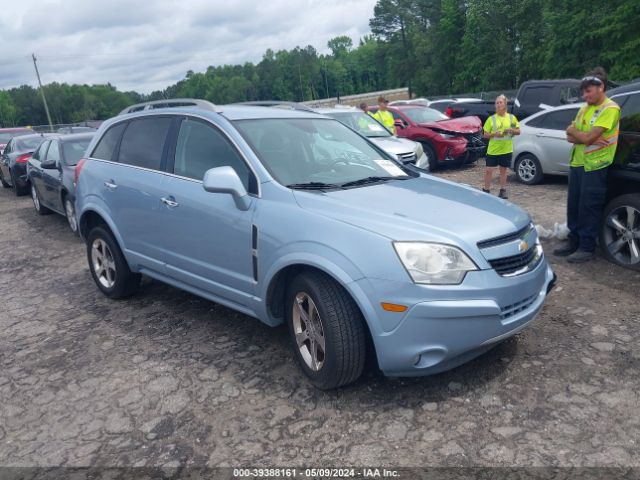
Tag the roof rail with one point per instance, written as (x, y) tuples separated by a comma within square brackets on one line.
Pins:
[(278, 104), (168, 103)]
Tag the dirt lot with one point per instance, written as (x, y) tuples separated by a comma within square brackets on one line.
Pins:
[(166, 378)]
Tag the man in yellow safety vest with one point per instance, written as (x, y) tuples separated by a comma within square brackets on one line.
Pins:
[(384, 116), (594, 134)]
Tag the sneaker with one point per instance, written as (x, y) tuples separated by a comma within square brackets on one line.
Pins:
[(580, 256), (567, 249), (503, 193), (486, 191)]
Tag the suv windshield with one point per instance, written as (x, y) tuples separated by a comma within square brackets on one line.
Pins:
[(316, 153), (362, 123), (423, 115)]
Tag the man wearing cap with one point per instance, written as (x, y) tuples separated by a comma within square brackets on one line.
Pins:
[(594, 134), (384, 116)]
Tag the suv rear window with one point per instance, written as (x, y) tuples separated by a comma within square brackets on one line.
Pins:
[(108, 142), (143, 142)]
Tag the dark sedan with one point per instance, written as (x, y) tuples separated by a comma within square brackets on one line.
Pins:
[(51, 174), (13, 163)]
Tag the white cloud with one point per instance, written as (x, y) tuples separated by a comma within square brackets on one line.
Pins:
[(148, 45)]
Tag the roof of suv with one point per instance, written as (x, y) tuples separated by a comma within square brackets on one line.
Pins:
[(231, 112), (629, 87)]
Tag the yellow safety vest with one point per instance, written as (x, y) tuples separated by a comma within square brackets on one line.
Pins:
[(595, 157), (386, 119)]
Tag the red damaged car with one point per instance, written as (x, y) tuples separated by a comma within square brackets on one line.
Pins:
[(445, 141)]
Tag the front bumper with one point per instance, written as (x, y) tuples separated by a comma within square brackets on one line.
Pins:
[(448, 326)]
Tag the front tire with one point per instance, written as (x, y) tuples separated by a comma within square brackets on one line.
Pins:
[(430, 153), (620, 231), (108, 266), (326, 329), (528, 169)]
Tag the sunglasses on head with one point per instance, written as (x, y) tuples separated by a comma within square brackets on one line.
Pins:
[(592, 79)]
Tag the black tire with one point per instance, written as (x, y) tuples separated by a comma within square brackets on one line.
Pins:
[(115, 279), (3, 182), (342, 330), (17, 189), (528, 169), (620, 240), (431, 156), (37, 204)]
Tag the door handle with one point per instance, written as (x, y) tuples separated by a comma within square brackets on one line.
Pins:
[(540, 135), (169, 202), (110, 185)]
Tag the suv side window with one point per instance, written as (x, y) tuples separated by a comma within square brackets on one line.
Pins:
[(143, 142), (535, 95), (54, 151), (200, 147), (106, 146)]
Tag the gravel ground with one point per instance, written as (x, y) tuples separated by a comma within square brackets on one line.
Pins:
[(168, 379)]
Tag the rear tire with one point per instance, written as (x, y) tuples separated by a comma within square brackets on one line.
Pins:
[(17, 189), (620, 231), (70, 213), (37, 204), (528, 169), (3, 182), (327, 330), (108, 266)]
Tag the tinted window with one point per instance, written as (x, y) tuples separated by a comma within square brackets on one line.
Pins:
[(143, 142), (72, 152), (54, 152), (107, 144), (630, 115), (536, 95), (28, 144), (9, 147), (569, 94), (440, 106), (201, 147), (41, 151), (558, 120)]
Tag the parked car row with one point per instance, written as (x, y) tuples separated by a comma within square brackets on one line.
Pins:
[(6, 134)]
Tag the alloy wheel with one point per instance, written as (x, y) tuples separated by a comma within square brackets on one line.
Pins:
[(622, 235), (308, 330), (103, 263), (71, 214), (527, 169)]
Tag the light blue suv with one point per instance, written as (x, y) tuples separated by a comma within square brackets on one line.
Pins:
[(290, 216)]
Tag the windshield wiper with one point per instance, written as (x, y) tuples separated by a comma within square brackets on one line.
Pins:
[(312, 186), (364, 181)]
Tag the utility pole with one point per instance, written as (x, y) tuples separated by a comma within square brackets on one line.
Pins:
[(44, 99)]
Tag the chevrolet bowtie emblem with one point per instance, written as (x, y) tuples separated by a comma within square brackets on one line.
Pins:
[(523, 246)]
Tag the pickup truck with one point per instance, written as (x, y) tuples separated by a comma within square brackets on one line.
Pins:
[(532, 96)]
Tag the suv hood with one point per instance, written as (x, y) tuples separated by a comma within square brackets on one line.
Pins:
[(394, 145), (456, 125), (423, 209)]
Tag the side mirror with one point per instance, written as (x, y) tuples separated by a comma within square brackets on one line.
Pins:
[(48, 165), (399, 123), (226, 180)]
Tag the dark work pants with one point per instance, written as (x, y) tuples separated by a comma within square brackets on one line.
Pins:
[(586, 197)]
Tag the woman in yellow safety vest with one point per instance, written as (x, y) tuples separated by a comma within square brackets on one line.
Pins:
[(499, 129)]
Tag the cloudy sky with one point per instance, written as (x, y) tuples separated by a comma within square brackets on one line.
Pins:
[(148, 45)]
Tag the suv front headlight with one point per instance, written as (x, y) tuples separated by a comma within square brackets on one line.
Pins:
[(434, 263)]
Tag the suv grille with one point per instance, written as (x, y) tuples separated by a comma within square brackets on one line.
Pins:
[(492, 242), (510, 265)]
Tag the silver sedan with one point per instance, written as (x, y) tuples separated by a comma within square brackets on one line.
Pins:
[(542, 147)]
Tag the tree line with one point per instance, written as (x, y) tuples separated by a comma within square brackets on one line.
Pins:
[(434, 47)]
